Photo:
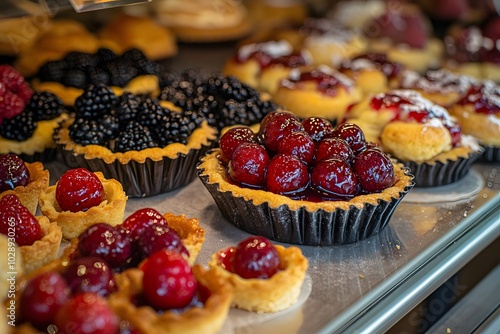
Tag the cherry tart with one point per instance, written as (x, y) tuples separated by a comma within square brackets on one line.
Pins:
[(81, 198), (303, 182), (478, 112), (265, 277), (419, 133), (320, 91), (23, 179)]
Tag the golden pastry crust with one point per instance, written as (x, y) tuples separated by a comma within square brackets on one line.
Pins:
[(215, 171), (207, 319), (29, 194), (247, 72), (44, 250), (274, 294), (484, 127), (127, 31), (109, 211)]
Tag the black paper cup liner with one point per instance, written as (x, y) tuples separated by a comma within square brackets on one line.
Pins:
[(48, 155), (491, 154), (302, 227), (439, 173)]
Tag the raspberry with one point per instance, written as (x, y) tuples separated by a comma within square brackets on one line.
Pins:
[(11, 105), (14, 81), (14, 214)]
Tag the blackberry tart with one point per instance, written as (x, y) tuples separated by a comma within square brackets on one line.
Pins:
[(131, 138), (303, 187)]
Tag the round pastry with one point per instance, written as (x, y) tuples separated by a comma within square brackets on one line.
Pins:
[(272, 14), (265, 278), (479, 115), (127, 31), (320, 91), (419, 133), (279, 198), (75, 206), (372, 72), (140, 135), (202, 21), (355, 14)]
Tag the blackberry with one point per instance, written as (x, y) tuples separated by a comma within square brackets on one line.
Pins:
[(194, 118), (175, 128), (105, 55), (134, 137), (19, 128), (151, 113), (111, 126), (75, 78), (44, 105), (127, 107), (122, 70), (134, 55), (195, 75), (53, 71), (87, 132), (81, 60), (96, 101), (228, 87), (99, 75)]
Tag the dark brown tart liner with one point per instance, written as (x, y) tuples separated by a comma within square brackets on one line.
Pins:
[(491, 154)]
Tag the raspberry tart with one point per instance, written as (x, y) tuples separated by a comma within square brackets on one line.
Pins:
[(419, 133), (265, 277), (130, 137), (297, 182), (81, 198)]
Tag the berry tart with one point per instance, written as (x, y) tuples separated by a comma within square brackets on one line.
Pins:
[(25, 180), (131, 137), (478, 112), (419, 133), (320, 91), (38, 239), (265, 277), (308, 183), (81, 198)]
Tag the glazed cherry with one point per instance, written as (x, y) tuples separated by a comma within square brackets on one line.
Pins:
[(286, 174), (79, 189), (90, 274), (374, 169), (13, 172), (42, 297), (87, 313), (140, 220), (225, 257), (256, 257), (168, 281), (105, 241), (334, 147), (233, 138), (317, 127), (335, 176), (352, 134), (248, 165), (13, 214), (299, 144), (275, 125), (158, 237)]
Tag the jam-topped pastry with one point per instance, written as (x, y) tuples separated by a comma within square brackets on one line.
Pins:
[(372, 72), (81, 198), (303, 173), (320, 91), (265, 277), (418, 132), (479, 113)]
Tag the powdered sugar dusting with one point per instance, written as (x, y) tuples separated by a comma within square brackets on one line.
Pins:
[(437, 81), (273, 48)]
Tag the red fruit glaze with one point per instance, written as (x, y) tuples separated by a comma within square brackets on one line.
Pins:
[(233, 138), (78, 190), (90, 274), (248, 165), (317, 127), (14, 214), (157, 237), (483, 99), (42, 297), (334, 148), (336, 177), (388, 101), (256, 257), (352, 134), (13, 172), (286, 174), (141, 219), (86, 313), (389, 68), (374, 170), (299, 144), (275, 125), (168, 281)]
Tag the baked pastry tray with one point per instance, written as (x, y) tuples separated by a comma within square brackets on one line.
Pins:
[(368, 285)]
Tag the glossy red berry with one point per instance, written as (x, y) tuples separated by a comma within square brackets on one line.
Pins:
[(334, 147), (286, 174), (317, 127), (335, 176), (14, 215), (248, 165), (299, 144), (79, 189), (374, 169), (141, 219), (42, 297), (13, 172), (168, 281), (15, 82), (87, 313), (352, 134), (226, 258), (233, 138), (276, 126), (90, 274), (256, 257), (157, 237)]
